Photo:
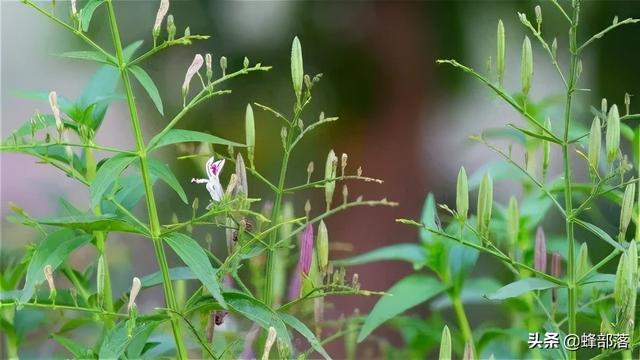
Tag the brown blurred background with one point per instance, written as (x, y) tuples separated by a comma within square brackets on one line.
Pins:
[(402, 117)]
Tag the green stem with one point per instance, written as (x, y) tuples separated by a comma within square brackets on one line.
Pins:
[(458, 308), (101, 237), (271, 254), (568, 196), (154, 223)]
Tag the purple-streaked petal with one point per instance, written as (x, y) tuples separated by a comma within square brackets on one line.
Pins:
[(295, 284), (540, 251), (306, 249)]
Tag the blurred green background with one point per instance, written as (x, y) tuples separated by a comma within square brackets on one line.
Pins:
[(402, 117)]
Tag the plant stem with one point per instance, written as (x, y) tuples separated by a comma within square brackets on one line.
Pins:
[(568, 196), (101, 237), (271, 253), (154, 223), (462, 319)]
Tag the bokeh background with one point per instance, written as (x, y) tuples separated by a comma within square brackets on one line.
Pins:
[(402, 117)]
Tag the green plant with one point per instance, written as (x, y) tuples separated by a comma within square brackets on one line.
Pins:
[(66, 140), (579, 299)]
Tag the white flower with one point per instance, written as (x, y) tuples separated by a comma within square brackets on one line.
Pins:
[(135, 289), (53, 101), (162, 11), (213, 169), (192, 70)]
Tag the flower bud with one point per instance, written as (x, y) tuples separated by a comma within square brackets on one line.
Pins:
[(595, 139), (538, 12), (283, 137), (513, 220), (231, 186), (48, 275), (135, 289), (603, 107), (612, 138), (618, 291), (579, 69), (307, 208), (554, 48), (242, 186), (223, 65), (187, 32), (323, 246), (100, 276), (195, 66), (526, 66), (359, 171), (297, 70), (445, 344), (208, 62), (245, 62), (626, 209), (250, 133), (500, 51), (271, 339), (627, 102), (462, 195), (171, 28), (74, 9), (343, 163), (162, 11), (345, 193), (309, 171), (330, 173), (540, 251), (485, 204), (556, 271), (523, 18), (53, 102), (306, 249), (300, 125), (468, 351), (583, 260)]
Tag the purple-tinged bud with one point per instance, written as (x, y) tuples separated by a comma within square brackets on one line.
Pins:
[(195, 66), (556, 271), (162, 11), (540, 251), (306, 249), (242, 187), (309, 171), (135, 289), (48, 275)]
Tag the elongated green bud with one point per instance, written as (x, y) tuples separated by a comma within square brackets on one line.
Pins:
[(595, 139), (604, 107), (100, 280), (554, 48), (297, 69), (626, 209), (322, 242), (171, 28), (583, 260), (500, 51), (618, 290), (613, 133), (445, 344), (513, 220), (538, 11), (250, 133), (627, 102), (462, 195), (330, 173), (485, 204), (223, 65), (526, 66), (546, 150), (208, 62)]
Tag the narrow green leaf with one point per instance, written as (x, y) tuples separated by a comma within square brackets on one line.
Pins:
[(162, 171), (405, 294), (599, 233), (428, 219), (411, 253), (304, 331), (195, 258), (131, 49), (117, 339), (520, 287), (176, 273), (86, 13), (137, 344), (175, 136), (88, 55), (106, 175), (53, 250), (149, 86), (534, 134), (259, 313), (78, 350), (99, 90), (90, 223)]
